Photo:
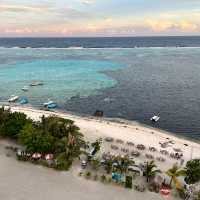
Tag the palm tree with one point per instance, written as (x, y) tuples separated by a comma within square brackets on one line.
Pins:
[(175, 172), (150, 170), (109, 165), (124, 163), (95, 162)]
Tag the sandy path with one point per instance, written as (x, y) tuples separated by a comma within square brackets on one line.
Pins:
[(24, 181)]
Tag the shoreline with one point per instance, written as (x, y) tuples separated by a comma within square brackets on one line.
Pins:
[(120, 121), (117, 120), (68, 183), (123, 124), (93, 128)]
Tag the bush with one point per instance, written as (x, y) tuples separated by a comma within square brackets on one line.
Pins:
[(182, 193), (103, 178), (109, 180), (62, 163), (88, 175), (192, 171), (80, 173), (128, 182), (95, 177)]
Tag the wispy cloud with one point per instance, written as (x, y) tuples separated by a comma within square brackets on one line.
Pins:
[(88, 2), (73, 19), (20, 8)]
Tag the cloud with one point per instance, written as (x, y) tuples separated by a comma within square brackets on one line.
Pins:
[(70, 13), (19, 8), (176, 26), (88, 2)]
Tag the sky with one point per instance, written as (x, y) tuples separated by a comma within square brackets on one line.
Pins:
[(86, 18)]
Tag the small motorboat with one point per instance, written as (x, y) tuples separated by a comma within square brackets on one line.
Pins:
[(36, 84), (13, 98), (25, 88), (52, 105), (48, 103), (23, 101), (155, 118)]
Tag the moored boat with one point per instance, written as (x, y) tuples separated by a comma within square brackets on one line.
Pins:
[(50, 104), (37, 83), (23, 101), (155, 118), (25, 88), (13, 98)]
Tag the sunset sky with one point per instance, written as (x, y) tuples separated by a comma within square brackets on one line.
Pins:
[(99, 17)]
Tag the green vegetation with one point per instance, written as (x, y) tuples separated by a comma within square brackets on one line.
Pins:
[(51, 135), (192, 171), (175, 172), (95, 163), (88, 175), (11, 123), (150, 170)]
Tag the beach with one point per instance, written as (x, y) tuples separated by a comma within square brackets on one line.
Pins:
[(93, 128), (27, 181)]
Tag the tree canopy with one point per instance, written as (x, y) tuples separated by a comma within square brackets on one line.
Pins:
[(50, 135), (192, 170)]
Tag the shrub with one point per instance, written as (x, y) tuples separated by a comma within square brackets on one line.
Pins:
[(80, 173), (109, 180), (103, 178), (95, 177), (62, 163), (88, 175), (192, 171), (182, 193)]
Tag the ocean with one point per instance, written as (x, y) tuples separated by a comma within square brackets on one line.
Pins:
[(130, 78)]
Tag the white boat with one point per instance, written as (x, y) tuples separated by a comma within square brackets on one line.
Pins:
[(36, 84), (155, 118), (13, 98), (48, 103), (25, 88)]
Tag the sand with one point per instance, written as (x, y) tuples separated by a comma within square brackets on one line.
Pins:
[(25, 181), (22, 181), (93, 128)]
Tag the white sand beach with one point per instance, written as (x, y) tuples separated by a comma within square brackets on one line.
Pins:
[(20, 181), (93, 128)]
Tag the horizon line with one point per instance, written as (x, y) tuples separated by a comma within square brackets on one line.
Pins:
[(137, 36)]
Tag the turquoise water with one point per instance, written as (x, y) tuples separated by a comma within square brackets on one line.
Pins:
[(62, 78), (134, 83)]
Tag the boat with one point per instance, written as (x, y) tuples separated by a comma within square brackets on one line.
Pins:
[(13, 98), (155, 118), (23, 101), (25, 88), (52, 105), (75, 97), (48, 103), (36, 83)]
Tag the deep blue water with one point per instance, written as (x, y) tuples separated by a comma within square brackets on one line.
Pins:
[(130, 83), (106, 42)]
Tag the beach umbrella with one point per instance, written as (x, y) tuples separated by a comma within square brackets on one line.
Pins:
[(49, 156), (36, 155), (165, 191)]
